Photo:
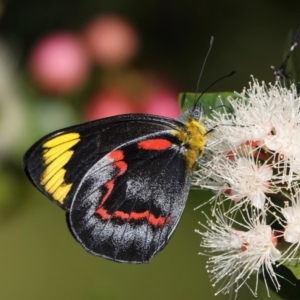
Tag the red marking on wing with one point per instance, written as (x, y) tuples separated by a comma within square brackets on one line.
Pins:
[(103, 213), (146, 215), (158, 222), (116, 155), (110, 186), (121, 167), (155, 144)]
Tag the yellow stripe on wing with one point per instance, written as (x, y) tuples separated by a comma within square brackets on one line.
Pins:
[(56, 155)]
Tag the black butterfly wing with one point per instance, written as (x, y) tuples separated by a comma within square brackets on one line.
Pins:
[(57, 163), (130, 201), (124, 181)]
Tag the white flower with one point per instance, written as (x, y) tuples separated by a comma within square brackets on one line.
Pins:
[(291, 225), (236, 254), (241, 179), (251, 119), (292, 228), (265, 116), (250, 181)]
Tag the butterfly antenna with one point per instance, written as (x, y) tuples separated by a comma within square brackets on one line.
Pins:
[(281, 74), (221, 78), (203, 65)]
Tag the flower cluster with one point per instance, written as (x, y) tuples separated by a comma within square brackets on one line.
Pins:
[(237, 253), (252, 163)]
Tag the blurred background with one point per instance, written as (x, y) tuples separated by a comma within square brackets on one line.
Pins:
[(64, 62)]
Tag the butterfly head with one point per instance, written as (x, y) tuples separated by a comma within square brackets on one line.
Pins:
[(195, 113)]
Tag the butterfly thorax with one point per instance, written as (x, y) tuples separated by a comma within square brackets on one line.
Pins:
[(193, 137)]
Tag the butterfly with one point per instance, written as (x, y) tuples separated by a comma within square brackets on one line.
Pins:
[(123, 181)]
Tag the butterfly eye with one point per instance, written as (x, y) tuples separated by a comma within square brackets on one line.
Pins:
[(197, 113)]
